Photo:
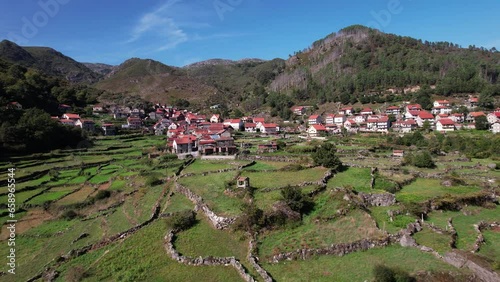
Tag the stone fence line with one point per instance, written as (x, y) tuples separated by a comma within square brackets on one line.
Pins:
[(209, 260), (218, 222)]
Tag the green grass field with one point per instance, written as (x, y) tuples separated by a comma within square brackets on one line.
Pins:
[(211, 189), (278, 179), (142, 257), (425, 189), (355, 178), (356, 266), (44, 236), (355, 226), (464, 223)]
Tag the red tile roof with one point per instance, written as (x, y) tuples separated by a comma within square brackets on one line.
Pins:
[(425, 115), (476, 114), (319, 127), (73, 116), (446, 121), (270, 125), (414, 107)]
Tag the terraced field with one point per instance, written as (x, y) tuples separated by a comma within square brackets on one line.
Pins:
[(96, 205)]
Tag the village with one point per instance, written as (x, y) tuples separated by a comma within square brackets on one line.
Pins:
[(193, 133), (196, 134)]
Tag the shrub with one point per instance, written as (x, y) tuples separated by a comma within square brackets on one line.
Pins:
[(251, 219), (421, 159), (326, 155), (385, 274), (183, 220), (293, 198), (102, 194), (152, 181), (69, 215)]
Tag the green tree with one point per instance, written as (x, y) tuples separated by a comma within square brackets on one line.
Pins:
[(293, 198), (251, 219), (183, 220), (421, 159), (326, 155), (482, 123)]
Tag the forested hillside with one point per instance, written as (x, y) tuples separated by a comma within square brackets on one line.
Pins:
[(47, 61), (359, 63), (31, 128)]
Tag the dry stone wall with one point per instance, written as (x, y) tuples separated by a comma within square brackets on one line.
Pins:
[(199, 261), (378, 200), (218, 222)]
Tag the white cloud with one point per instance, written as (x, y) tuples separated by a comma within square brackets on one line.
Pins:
[(174, 23), (159, 26)]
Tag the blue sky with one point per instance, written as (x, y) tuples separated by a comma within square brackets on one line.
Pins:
[(179, 32)]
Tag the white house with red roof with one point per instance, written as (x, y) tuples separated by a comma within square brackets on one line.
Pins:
[(269, 128), (346, 111), (339, 119), (439, 103), (457, 117), (215, 118), (236, 124), (472, 102), (314, 119), (424, 116), (493, 117), (98, 109), (471, 117), (299, 110), (316, 130), (445, 124), (404, 126), (393, 110), (366, 112), (258, 120), (359, 118), (412, 110), (250, 127), (330, 119), (383, 124), (441, 110), (184, 144), (73, 117)]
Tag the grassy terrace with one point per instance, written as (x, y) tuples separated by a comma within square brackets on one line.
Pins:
[(211, 189), (356, 178), (277, 179), (200, 166), (464, 223), (383, 221), (356, 266), (44, 235), (134, 258), (355, 226), (425, 189)]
